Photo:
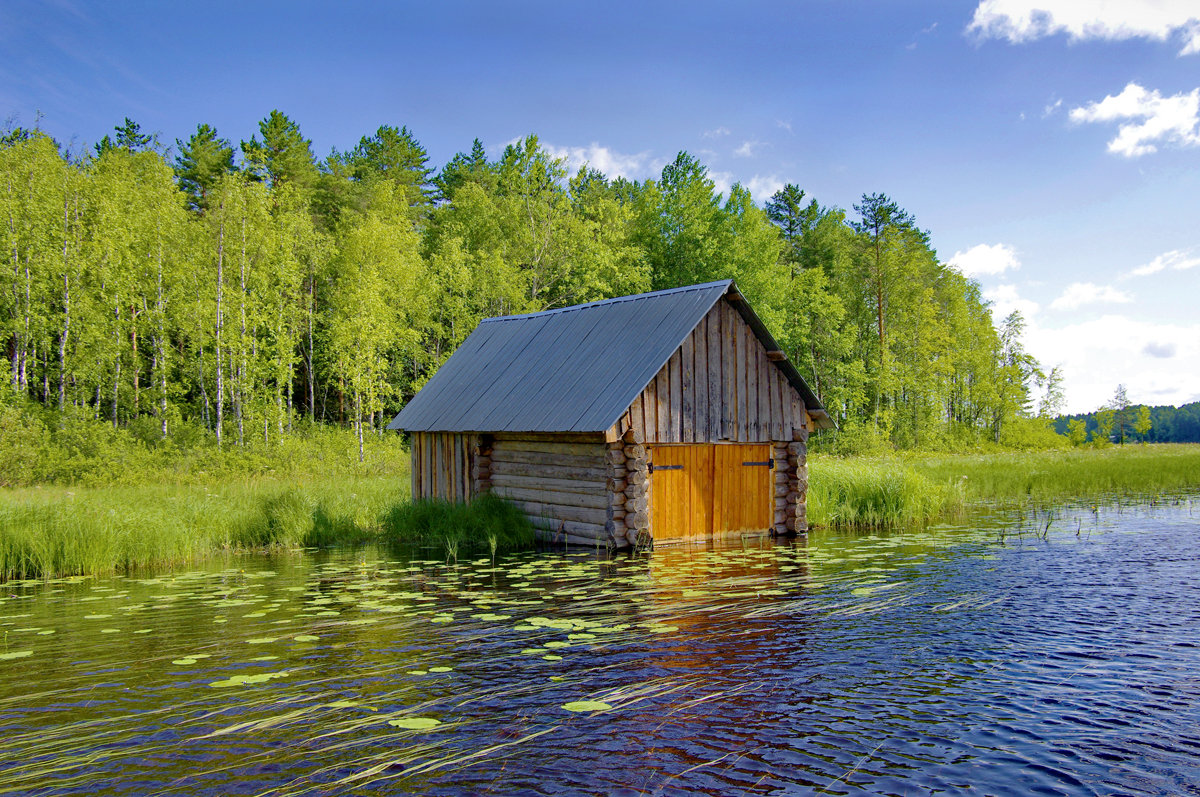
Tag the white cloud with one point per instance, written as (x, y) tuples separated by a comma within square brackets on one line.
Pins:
[(610, 162), (722, 181), (1156, 119), (1162, 351), (986, 259), (1026, 20), (763, 188), (1176, 259), (1077, 294), (747, 149), (1159, 363), (1051, 108), (1005, 298), (785, 125), (717, 132)]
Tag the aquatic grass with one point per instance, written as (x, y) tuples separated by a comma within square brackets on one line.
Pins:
[(905, 489), (48, 532), (1131, 470), (487, 523), (865, 494)]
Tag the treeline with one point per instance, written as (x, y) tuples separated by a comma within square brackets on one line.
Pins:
[(1166, 424), (242, 290)]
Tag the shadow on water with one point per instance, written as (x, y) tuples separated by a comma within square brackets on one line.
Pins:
[(999, 655)]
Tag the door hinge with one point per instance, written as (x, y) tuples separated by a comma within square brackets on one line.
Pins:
[(768, 463), (652, 467)]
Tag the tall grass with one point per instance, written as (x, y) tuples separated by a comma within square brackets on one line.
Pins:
[(74, 531), (1073, 473), (911, 488), (875, 493), (488, 522)]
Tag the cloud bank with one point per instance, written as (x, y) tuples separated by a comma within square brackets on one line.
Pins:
[(1020, 21)]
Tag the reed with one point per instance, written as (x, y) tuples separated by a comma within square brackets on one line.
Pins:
[(51, 531), (1116, 471), (487, 523), (873, 492)]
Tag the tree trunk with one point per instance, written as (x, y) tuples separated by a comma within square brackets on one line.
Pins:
[(358, 422), (242, 365), (220, 297)]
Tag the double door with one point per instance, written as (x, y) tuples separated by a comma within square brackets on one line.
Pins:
[(700, 491)]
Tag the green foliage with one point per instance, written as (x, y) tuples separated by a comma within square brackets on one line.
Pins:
[(487, 523), (1077, 432), (1165, 424), (1105, 419), (233, 304), (203, 159)]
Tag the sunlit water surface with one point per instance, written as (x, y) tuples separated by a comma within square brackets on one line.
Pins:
[(989, 657)]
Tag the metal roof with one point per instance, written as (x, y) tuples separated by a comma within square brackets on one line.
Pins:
[(574, 369)]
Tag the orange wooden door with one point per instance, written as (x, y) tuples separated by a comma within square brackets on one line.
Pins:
[(681, 492), (742, 489)]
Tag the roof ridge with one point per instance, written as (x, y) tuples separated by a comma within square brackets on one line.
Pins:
[(615, 300)]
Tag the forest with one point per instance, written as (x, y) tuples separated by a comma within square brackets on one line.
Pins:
[(241, 293)]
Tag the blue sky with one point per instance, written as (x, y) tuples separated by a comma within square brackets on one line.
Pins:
[(1054, 155)]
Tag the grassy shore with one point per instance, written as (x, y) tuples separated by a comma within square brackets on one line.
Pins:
[(900, 489), (316, 493)]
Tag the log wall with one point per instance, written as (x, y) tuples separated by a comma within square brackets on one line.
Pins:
[(719, 385), (560, 484)]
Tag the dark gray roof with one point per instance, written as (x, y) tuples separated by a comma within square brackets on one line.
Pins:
[(575, 369)]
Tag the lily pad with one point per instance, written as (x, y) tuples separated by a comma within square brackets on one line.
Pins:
[(441, 669), (16, 654), (415, 723), (306, 638), (586, 705), (243, 680)]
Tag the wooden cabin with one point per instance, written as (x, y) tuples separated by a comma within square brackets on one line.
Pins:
[(662, 417)]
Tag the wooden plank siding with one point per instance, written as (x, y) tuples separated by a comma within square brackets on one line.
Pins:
[(719, 385), (441, 465)]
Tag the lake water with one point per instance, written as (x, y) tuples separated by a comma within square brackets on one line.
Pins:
[(988, 657)]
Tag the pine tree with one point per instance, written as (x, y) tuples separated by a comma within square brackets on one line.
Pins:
[(201, 162)]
